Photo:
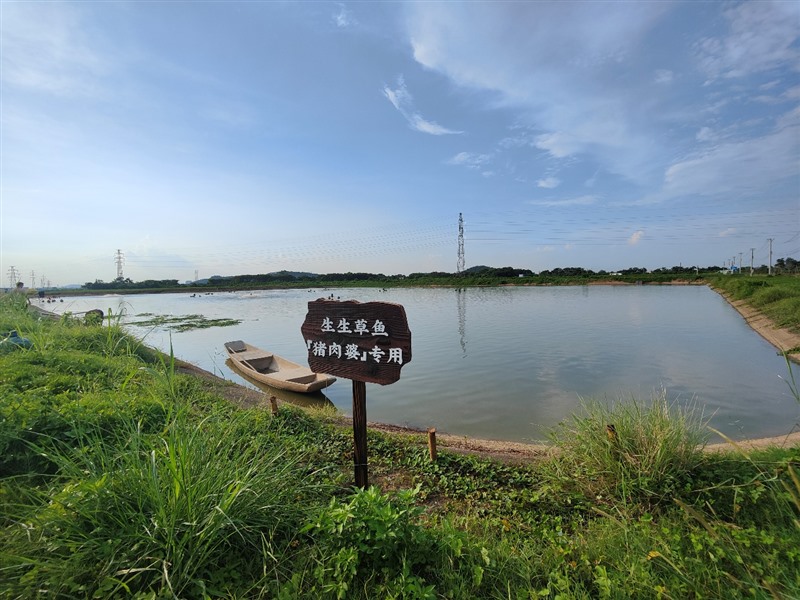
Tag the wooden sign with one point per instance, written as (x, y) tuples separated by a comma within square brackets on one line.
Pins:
[(367, 341)]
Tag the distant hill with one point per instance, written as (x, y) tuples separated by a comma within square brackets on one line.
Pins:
[(295, 274), (476, 269), (282, 274)]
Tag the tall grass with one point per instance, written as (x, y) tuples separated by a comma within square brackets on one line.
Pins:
[(629, 452), (168, 513)]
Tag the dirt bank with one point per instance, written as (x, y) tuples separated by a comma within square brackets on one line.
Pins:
[(783, 339)]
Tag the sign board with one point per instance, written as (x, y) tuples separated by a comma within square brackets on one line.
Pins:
[(367, 341)]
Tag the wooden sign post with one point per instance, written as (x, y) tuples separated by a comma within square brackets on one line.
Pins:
[(364, 342)]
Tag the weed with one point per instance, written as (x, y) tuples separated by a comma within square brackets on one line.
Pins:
[(155, 513), (628, 452)]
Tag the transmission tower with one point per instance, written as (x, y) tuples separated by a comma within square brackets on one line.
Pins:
[(120, 260), (13, 278), (460, 265)]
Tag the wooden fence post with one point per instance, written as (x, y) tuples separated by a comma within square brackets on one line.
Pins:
[(432, 443)]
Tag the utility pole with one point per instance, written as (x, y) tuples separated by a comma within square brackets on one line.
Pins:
[(120, 260), (769, 270), (461, 263), (33, 279), (740, 262), (751, 261)]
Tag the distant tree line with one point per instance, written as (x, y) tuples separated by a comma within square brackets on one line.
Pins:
[(478, 275), (787, 265), (126, 284)]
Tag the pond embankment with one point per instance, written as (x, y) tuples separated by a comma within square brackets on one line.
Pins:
[(785, 340)]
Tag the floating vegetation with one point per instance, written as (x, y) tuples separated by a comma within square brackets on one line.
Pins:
[(182, 322)]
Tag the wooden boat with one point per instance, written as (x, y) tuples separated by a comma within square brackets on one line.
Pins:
[(275, 370)]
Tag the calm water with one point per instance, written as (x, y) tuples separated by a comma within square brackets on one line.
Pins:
[(508, 363)]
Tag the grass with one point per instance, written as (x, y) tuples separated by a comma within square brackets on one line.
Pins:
[(629, 453), (122, 478), (135, 512)]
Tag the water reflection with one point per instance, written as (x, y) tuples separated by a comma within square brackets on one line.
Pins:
[(461, 304)]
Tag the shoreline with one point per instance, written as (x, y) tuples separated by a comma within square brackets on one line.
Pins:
[(781, 338)]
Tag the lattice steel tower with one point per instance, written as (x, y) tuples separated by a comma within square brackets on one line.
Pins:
[(13, 277), (120, 260), (460, 265)]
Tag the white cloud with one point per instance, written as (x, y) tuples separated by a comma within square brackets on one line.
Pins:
[(45, 51), (728, 232), (664, 76), (583, 81), (738, 167), (402, 100), (549, 183), (592, 180), (577, 201), (762, 36), (468, 159), (552, 63), (343, 18), (559, 145), (705, 134), (635, 238)]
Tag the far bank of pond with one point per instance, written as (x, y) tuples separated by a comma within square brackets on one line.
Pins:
[(508, 363)]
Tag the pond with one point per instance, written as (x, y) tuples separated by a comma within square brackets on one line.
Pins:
[(507, 363)]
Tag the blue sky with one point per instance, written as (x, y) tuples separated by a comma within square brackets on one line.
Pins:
[(249, 137)]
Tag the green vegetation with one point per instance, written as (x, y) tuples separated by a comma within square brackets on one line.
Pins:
[(474, 276), (777, 297), (181, 322), (122, 478)]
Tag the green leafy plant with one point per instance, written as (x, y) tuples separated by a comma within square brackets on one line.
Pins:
[(374, 536)]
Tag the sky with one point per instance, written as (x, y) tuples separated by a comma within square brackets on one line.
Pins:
[(188, 139)]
